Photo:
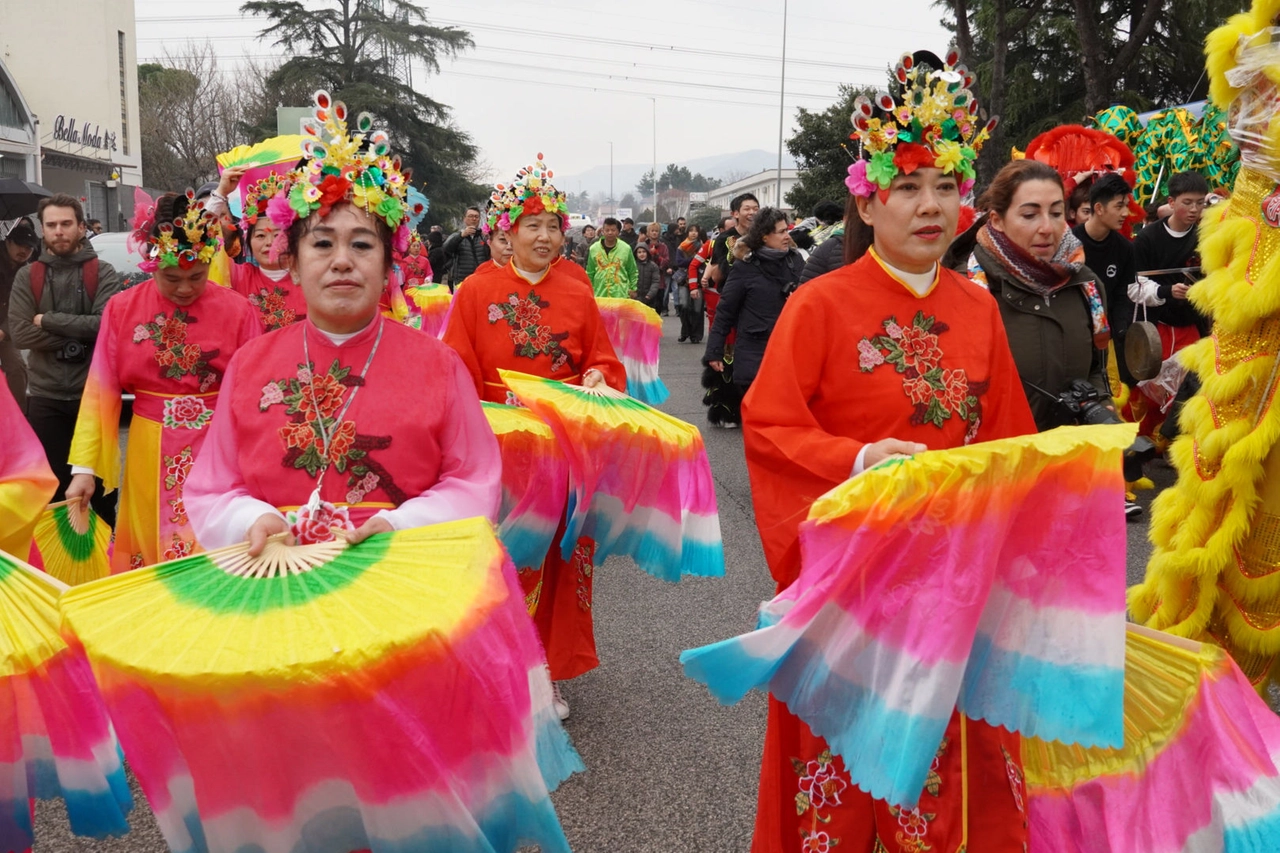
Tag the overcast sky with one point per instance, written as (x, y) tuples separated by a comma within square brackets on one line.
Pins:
[(566, 78)]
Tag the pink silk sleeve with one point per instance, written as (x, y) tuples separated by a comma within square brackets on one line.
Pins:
[(470, 481), (26, 483), (96, 443), (216, 496)]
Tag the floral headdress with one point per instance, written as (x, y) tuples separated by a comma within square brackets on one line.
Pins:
[(339, 167), (934, 122), (259, 195), (532, 193), (192, 239)]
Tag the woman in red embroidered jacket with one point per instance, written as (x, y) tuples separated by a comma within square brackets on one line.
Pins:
[(167, 341), (538, 315), (345, 419), (890, 354)]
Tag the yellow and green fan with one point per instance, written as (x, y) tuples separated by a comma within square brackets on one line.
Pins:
[(73, 542)]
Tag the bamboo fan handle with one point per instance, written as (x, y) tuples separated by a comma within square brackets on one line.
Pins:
[(602, 390), (277, 558), (77, 514)]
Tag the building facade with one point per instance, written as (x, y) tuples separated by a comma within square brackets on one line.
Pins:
[(69, 94), (764, 186)]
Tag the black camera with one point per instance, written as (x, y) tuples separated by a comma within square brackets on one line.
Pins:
[(1087, 405), (72, 351)]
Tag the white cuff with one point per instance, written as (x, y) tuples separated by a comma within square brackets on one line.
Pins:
[(860, 464), (81, 469)]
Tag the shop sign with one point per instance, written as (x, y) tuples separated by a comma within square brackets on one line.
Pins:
[(90, 135)]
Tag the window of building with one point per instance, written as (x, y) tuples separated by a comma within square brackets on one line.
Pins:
[(124, 94), (10, 111)]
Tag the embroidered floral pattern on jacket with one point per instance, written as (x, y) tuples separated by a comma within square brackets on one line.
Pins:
[(186, 412), (272, 306), (530, 337), (179, 547), (176, 357), (312, 402), (176, 469), (936, 393), (821, 784)]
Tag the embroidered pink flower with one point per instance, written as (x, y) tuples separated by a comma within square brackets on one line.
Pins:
[(868, 356), (304, 374), (893, 330), (141, 333), (495, 313), (370, 482), (355, 496), (310, 527), (271, 395), (186, 413), (513, 400)]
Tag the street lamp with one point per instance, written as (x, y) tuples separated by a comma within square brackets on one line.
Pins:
[(614, 205), (655, 158)]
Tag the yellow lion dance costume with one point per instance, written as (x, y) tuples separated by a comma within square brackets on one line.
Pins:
[(1215, 573)]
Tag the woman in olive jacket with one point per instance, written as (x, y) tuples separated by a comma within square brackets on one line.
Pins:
[(1053, 307), (767, 271)]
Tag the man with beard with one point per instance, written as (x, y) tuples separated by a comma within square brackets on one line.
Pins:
[(54, 311)]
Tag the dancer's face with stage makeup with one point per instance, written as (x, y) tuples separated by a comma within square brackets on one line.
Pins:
[(340, 262)]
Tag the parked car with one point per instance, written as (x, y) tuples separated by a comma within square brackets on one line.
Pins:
[(112, 248)]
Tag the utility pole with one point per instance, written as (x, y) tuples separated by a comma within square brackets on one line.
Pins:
[(782, 103), (613, 205), (655, 158)]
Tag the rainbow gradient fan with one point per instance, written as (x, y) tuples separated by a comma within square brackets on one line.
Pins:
[(55, 739), (639, 481), (386, 696), (535, 483), (433, 302), (1198, 769), (635, 330), (73, 543), (988, 578)]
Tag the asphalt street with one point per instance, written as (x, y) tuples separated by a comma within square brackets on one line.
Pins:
[(668, 768)]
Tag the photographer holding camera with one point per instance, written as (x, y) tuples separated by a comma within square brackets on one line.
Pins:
[(54, 311)]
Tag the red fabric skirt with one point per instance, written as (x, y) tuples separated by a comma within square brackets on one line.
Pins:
[(974, 799), (562, 611)]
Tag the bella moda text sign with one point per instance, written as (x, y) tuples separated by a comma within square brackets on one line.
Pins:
[(65, 130)]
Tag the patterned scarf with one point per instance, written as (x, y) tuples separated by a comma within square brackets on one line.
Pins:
[(1040, 277)]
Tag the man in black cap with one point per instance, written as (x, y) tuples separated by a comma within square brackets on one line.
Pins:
[(17, 248)]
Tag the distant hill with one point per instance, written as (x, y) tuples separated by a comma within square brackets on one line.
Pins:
[(625, 175)]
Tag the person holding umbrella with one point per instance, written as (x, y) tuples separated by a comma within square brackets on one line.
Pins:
[(17, 249)]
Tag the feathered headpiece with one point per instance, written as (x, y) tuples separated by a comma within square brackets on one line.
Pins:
[(934, 122), (418, 205), (532, 193), (339, 167), (194, 237)]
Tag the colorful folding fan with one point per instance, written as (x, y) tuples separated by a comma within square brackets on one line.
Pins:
[(26, 483), (73, 543), (1198, 770), (55, 739), (639, 481), (535, 483), (988, 578), (278, 154), (433, 302), (635, 330), (386, 696)]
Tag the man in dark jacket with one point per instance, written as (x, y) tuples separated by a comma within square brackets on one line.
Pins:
[(1110, 255), (466, 249), (60, 327), (15, 251)]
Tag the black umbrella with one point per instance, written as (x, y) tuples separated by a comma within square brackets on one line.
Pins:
[(19, 197)]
